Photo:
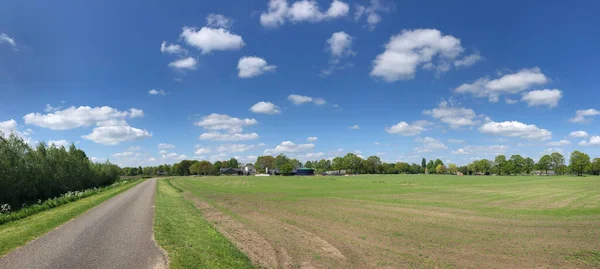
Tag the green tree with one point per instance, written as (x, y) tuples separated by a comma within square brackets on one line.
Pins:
[(440, 169), (423, 163), (402, 167), (579, 162), (352, 162), (453, 168), (281, 160), (372, 164), (232, 163), (286, 169), (501, 165), (264, 162), (558, 162), (529, 165), (416, 169), (545, 163), (517, 163), (338, 164), (431, 167), (595, 166)]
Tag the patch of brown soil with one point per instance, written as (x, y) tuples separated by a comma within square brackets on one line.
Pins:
[(258, 249)]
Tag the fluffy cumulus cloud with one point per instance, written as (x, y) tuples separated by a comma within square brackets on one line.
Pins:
[(165, 146), (371, 13), (74, 117), (508, 84), (113, 135), (578, 134), (10, 127), (280, 11), (542, 97), (468, 60), (486, 150), (289, 147), (216, 136), (265, 108), (515, 129), (452, 114), (429, 145), (339, 45), (188, 63), (216, 122), (173, 157), (171, 48), (200, 151), (5, 39), (584, 115), (405, 52), (594, 141), (297, 99), (312, 138), (559, 143), (252, 66), (156, 92), (405, 129), (212, 39)]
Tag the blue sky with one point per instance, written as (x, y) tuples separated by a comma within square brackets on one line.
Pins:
[(403, 80)]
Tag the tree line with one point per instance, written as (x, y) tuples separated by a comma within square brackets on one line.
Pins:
[(579, 164), (31, 174)]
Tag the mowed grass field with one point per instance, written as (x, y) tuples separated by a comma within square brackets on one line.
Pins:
[(405, 221)]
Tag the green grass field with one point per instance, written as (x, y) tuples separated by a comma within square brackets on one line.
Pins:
[(19, 232), (400, 221)]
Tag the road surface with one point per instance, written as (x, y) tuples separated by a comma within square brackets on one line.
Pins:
[(116, 234)]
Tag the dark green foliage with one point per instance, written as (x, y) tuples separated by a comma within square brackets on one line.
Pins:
[(28, 174)]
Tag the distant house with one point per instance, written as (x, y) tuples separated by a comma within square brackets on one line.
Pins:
[(303, 171), (544, 173), (249, 170), (161, 173), (231, 171)]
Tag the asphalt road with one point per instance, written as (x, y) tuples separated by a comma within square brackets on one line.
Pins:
[(116, 234)]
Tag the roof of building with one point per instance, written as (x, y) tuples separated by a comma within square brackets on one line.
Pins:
[(229, 168)]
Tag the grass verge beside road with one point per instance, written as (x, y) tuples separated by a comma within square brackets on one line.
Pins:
[(191, 241), (19, 232)]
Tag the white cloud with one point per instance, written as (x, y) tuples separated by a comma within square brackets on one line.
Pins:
[(511, 101), (165, 146), (452, 114), (305, 10), (405, 129), (174, 156), (354, 127), (97, 160), (216, 122), (507, 84), (490, 150), (288, 147), (218, 21), (594, 141), (171, 48), (543, 97), (246, 159), (468, 60), (50, 108), (301, 99), (184, 63), (134, 148), (58, 143), (430, 144), (310, 155), (72, 117), (126, 154), (312, 138), (200, 151), (156, 92), (515, 129), (339, 45), (113, 135), (371, 13), (456, 141), (578, 134), (216, 136), (265, 108), (4, 38), (162, 152), (551, 150), (8, 127), (232, 148), (406, 51), (559, 143), (580, 115), (212, 39), (252, 66)]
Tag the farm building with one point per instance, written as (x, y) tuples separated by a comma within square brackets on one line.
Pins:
[(305, 171), (231, 171)]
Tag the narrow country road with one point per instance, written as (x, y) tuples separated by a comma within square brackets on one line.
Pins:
[(115, 234)]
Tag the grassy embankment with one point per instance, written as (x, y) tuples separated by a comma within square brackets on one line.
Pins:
[(190, 241), (17, 233)]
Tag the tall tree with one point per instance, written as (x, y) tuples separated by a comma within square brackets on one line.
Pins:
[(545, 163), (579, 162), (372, 164), (516, 164), (423, 163), (501, 164), (529, 165), (264, 162), (558, 161)]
